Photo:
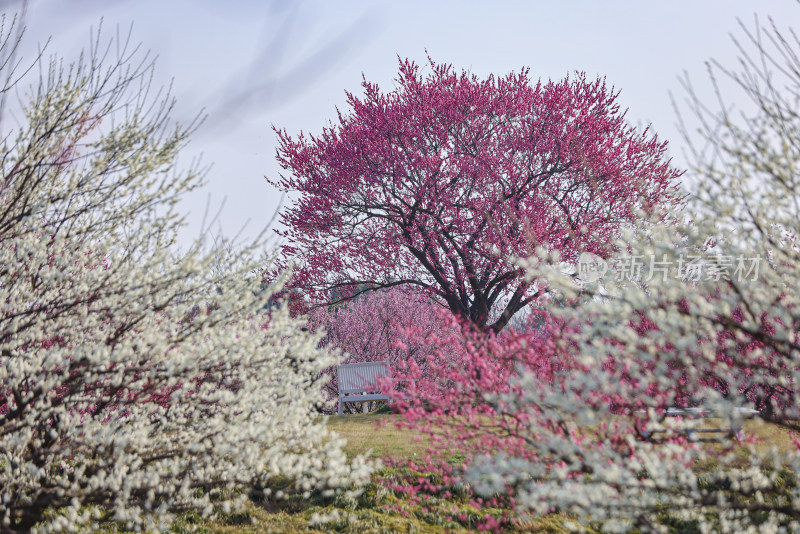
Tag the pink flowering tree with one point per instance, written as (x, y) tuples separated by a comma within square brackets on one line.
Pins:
[(399, 326), (437, 183)]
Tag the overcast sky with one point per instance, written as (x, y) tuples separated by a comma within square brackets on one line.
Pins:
[(253, 64)]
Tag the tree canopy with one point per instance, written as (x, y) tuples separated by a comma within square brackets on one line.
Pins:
[(438, 182)]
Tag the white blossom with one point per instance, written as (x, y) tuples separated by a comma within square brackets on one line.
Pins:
[(135, 380)]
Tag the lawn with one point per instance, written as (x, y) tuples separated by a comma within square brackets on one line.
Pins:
[(377, 434)]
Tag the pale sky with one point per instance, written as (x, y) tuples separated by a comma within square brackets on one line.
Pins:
[(253, 64)]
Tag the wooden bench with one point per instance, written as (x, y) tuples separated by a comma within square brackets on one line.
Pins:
[(733, 428), (361, 382)]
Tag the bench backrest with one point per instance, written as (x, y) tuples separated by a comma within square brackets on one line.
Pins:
[(363, 377)]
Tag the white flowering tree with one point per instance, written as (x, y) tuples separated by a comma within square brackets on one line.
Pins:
[(713, 321), (118, 396)]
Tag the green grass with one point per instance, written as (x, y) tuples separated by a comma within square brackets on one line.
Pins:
[(378, 434)]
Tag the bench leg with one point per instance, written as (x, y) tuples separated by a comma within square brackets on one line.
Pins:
[(340, 407), (364, 406)]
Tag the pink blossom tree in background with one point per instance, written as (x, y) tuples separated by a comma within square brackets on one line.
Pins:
[(437, 183), (398, 325)]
